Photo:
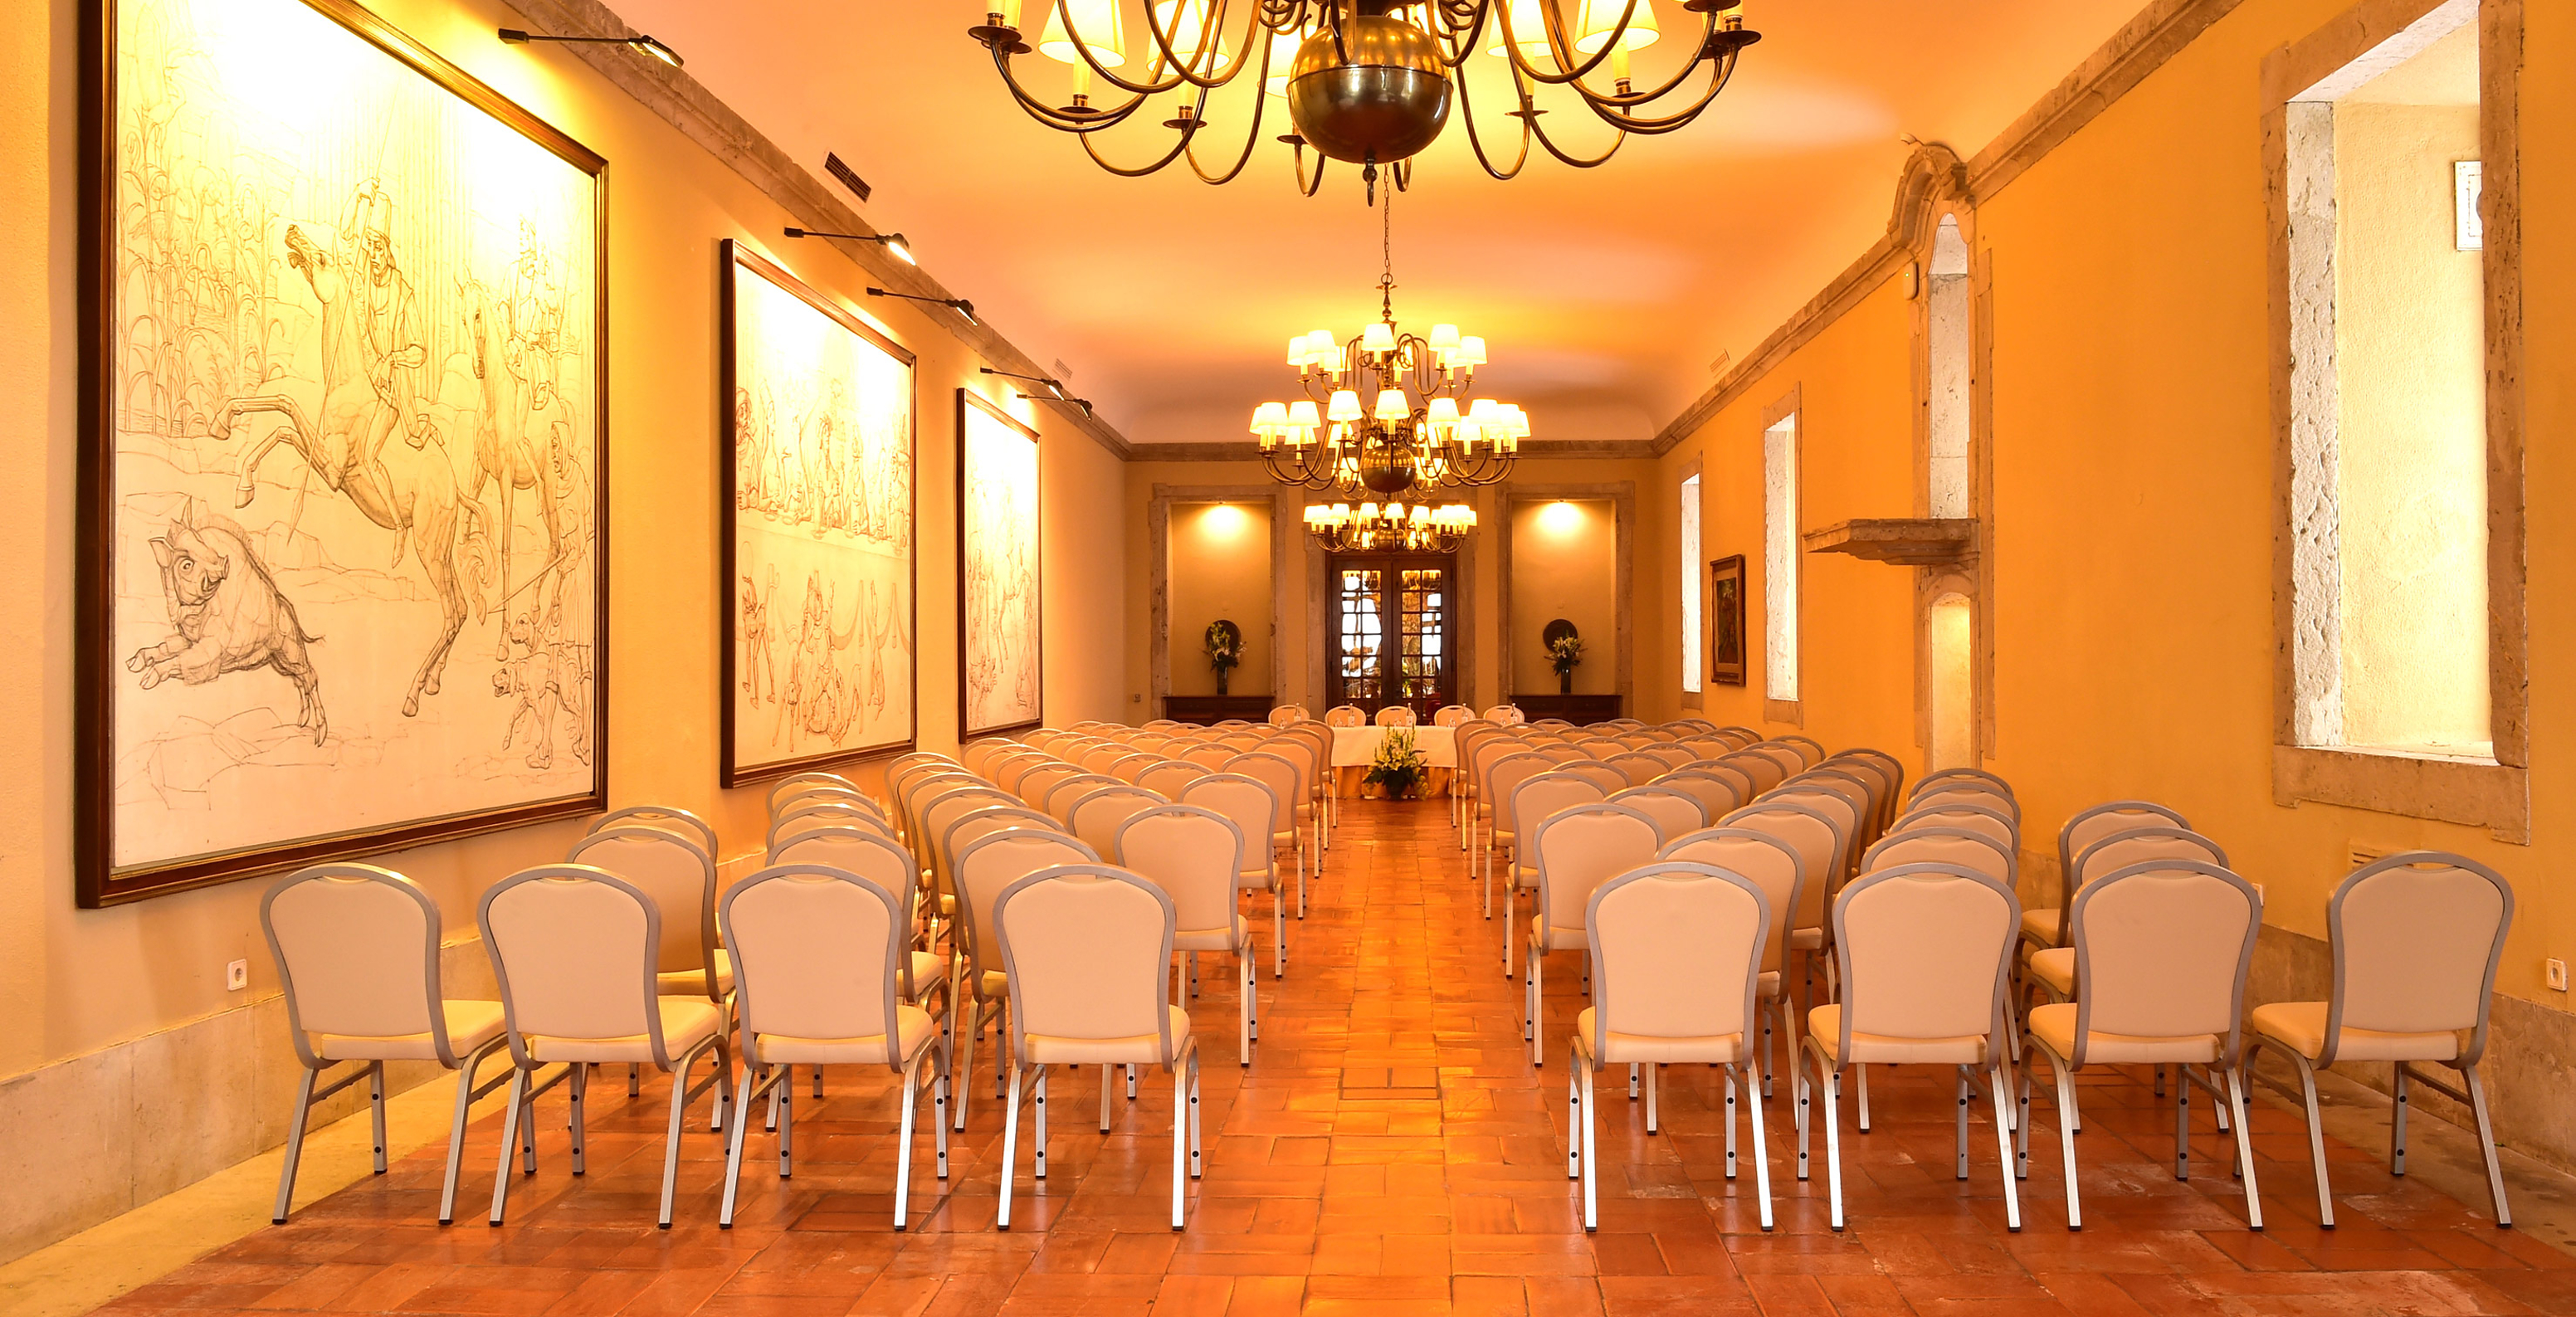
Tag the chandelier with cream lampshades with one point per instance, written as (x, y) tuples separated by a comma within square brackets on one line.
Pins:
[(1389, 527), (1370, 82)]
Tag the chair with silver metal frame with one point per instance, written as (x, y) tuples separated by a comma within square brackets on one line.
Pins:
[(1096, 815), (1195, 855), (357, 955), (670, 818), (981, 991), (1576, 850), (1674, 811), (1532, 801), (1774, 866)]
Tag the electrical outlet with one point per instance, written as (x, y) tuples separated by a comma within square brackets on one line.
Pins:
[(236, 975), (2557, 972)]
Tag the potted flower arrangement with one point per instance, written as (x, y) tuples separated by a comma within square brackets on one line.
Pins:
[(1399, 767), (1565, 653), (1224, 645)]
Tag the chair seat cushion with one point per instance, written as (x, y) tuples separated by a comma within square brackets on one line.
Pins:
[(2301, 1027), (1635, 1048), (914, 1030), (1825, 1029), (686, 1022), (1212, 939), (1143, 1049), (1559, 938), (2040, 926), (2053, 1027), (2055, 966), (693, 982), (470, 1024), (928, 968), (1806, 939)]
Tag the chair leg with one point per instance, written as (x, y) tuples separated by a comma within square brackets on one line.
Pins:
[(965, 1061), (1010, 1150), (1251, 998), (1198, 1146), (2003, 1148), (1799, 1095), (1861, 1117), (1728, 1079), (1833, 1144), (1530, 1003), (1104, 1099), (903, 1143), (456, 1132), (1278, 933), (509, 1140), (2316, 1140), (580, 1086), (2182, 1123), (2023, 1084), (733, 1147), (634, 1080), (1131, 1083), (1963, 1097), (939, 1110), (2066, 1138), (1655, 1091), (1574, 1117), (1591, 1156), (2244, 1148), (785, 1094), (2397, 1096), (1761, 1149), (671, 1140), (1180, 1141), (2487, 1144), (295, 1144), (376, 1105), (818, 1090)]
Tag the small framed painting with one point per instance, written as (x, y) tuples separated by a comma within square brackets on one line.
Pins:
[(1726, 620), (1001, 662)]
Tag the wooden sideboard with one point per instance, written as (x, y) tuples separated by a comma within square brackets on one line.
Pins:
[(1208, 709), (1576, 709)]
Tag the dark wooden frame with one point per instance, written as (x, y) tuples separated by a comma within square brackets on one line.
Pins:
[(1452, 679), (1729, 568), (97, 882), (1037, 533), (737, 261)]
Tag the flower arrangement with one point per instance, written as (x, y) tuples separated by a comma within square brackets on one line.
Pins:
[(1224, 645), (1399, 766), (1564, 653)]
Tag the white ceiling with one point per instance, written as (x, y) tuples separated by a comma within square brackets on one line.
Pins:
[(1606, 294)]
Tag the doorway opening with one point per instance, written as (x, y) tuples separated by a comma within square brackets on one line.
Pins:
[(1391, 632)]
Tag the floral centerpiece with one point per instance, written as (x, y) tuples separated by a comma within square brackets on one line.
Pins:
[(1564, 654), (1224, 645), (1399, 767)]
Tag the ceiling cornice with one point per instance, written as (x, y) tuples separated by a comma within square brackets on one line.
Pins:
[(1537, 450), (688, 106)]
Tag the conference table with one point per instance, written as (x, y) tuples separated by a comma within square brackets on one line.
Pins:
[(1355, 748)]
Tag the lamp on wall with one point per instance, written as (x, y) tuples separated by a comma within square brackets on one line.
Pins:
[(892, 242), (958, 304), (1054, 389), (521, 37)]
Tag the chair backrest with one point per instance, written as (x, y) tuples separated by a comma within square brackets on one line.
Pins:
[(922, 795), (1582, 847), (1304, 760), (1677, 951), (1061, 794), (1602, 747), (1088, 948), (818, 953), (1739, 737), (808, 817), (1534, 798), (1560, 752), (2088, 826), (1598, 773), (1132, 765), (1974, 779), (2119, 850), (988, 864), (1670, 754), (1095, 815), (1195, 855), (1964, 792), (357, 952), (1037, 782), (795, 784), (873, 857), (1717, 796), (1170, 775), (573, 949), (1396, 715), (1746, 788), (820, 793), (1952, 846), (1209, 754), (1772, 865), (1787, 758), (1508, 715), (1816, 835), (1924, 949), (1346, 715), (1808, 749), (669, 818), (1674, 811), (942, 813), (1283, 714), (1451, 715), (1503, 775), (1287, 782), (1960, 814), (1849, 812), (2161, 951), (1253, 807), (974, 825), (1763, 771), (1887, 778), (978, 757), (1637, 767), (677, 876), (2416, 939)]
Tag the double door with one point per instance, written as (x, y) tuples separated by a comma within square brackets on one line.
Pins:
[(1391, 631)]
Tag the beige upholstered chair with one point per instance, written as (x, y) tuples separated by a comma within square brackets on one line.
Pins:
[(1480, 745), (1807, 748), (1170, 776), (1717, 796), (357, 953), (1763, 771), (822, 953), (1250, 804), (978, 757), (1671, 755), (1508, 715), (786, 790), (1098, 758), (877, 860), (1674, 811), (1089, 954), (1036, 783), (1935, 795), (1818, 838), (680, 879), (1886, 775), (2043, 927), (985, 866), (812, 814), (1974, 817), (1346, 715), (2416, 938), (1531, 800), (1450, 715), (669, 818), (1209, 754), (574, 948), (1787, 758), (1129, 766), (1576, 850), (2161, 950), (911, 790), (1772, 865), (1396, 715), (1951, 779), (1496, 779), (1677, 955), (2054, 966), (1599, 773), (1638, 767), (1846, 805), (1307, 757), (1195, 856), (1291, 783), (1924, 949), (1954, 846), (1095, 815), (1282, 715)]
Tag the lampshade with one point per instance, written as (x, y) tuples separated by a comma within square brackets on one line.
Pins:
[(1345, 406), (1528, 24), (1098, 21), (1269, 418), (1444, 411), (1302, 414), (1187, 23), (1378, 337), (1392, 405), (1601, 18), (1519, 419), (1283, 53), (1471, 351), (1444, 338), (1322, 349)]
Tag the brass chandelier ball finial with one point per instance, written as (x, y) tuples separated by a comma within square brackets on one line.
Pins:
[(1374, 93)]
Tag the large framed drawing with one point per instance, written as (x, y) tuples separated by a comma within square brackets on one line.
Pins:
[(818, 516), (343, 567), (1726, 620), (1000, 660)]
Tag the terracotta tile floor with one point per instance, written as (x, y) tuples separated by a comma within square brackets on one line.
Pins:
[(1390, 1150)]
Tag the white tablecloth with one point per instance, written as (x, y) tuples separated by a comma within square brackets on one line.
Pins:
[(1356, 747)]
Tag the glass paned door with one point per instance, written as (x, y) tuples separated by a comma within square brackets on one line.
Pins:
[(1393, 632)]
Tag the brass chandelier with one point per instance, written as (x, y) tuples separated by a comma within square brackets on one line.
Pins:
[(1370, 82), (1390, 527)]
